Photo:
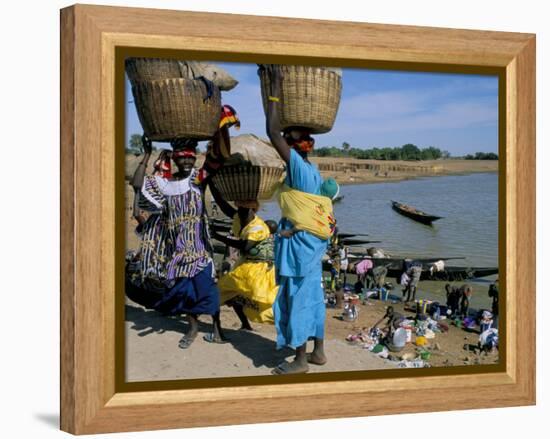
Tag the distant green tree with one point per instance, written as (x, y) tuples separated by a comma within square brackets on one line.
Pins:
[(482, 156), (135, 145), (405, 152), (445, 154), (410, 152), (430, 153)]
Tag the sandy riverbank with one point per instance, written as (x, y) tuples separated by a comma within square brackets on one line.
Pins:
[(355, 171), (152, 351)]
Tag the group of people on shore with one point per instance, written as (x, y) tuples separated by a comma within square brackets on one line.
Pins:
[(277, 278), (458, 299)]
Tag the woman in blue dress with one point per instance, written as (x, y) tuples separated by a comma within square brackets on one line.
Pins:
[(299, 308)]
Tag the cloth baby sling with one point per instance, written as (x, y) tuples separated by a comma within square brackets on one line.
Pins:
[(307, 212)]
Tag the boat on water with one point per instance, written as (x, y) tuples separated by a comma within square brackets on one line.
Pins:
[(395, 267), (414, 214), (338, 199), (449, 274)]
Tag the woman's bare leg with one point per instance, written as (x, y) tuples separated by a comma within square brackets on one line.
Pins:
[(245, 324), (318, 355), (299, 365), (190, 336)]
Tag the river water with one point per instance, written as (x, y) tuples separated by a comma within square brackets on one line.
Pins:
[(468, 203)]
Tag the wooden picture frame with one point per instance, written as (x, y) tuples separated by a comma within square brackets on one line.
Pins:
[(92, 397)]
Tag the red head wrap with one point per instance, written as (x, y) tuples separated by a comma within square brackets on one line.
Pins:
[(185, 152)]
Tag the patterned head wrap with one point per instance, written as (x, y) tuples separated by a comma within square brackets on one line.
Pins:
[(229, 117), (304, 144)]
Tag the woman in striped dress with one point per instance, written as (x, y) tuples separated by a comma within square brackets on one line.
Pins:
[(173, 272)]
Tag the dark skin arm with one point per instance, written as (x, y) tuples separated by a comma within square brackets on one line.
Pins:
[(226, 208), (214, 155), (240, 244), (221, 136), (273, 126), (139, 176)]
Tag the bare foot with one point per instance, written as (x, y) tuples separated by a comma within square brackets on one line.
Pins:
[(186, 341), (286, 368), (316, 358), (213, 338)]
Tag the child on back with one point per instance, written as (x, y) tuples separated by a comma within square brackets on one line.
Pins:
[(329, 189)]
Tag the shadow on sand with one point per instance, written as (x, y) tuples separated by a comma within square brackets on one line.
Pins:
[(261, 351)]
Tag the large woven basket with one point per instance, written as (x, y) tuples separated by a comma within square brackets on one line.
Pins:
[(152, 69), (310, 97), (247, 182), (172, 108)]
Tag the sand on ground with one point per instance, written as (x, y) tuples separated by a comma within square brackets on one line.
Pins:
[(152, 351)]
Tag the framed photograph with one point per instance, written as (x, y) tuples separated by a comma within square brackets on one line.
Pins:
[(315, 223)]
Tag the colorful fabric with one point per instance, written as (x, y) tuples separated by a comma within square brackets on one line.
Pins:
[(195, 295), (299, 308), (163, 165), (252, 282), (229, 117), (263, 251), (363, 266), (302, 253), (304, 145), (308, 212), (219, 148), (175, 241)]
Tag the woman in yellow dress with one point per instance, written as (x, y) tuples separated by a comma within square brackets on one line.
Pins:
[(250, 287)]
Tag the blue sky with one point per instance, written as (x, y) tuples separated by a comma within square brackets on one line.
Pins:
[(454, 112)]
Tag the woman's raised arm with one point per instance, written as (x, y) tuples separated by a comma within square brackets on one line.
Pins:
[(273, 126)]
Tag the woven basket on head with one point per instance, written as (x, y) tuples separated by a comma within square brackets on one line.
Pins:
[(152, 69), (310, 97), (247, 182), (172, 108)]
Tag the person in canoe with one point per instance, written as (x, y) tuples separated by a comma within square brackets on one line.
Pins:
[(299, 308)]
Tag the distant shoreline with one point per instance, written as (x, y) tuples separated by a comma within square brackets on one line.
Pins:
[(348, 171)]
